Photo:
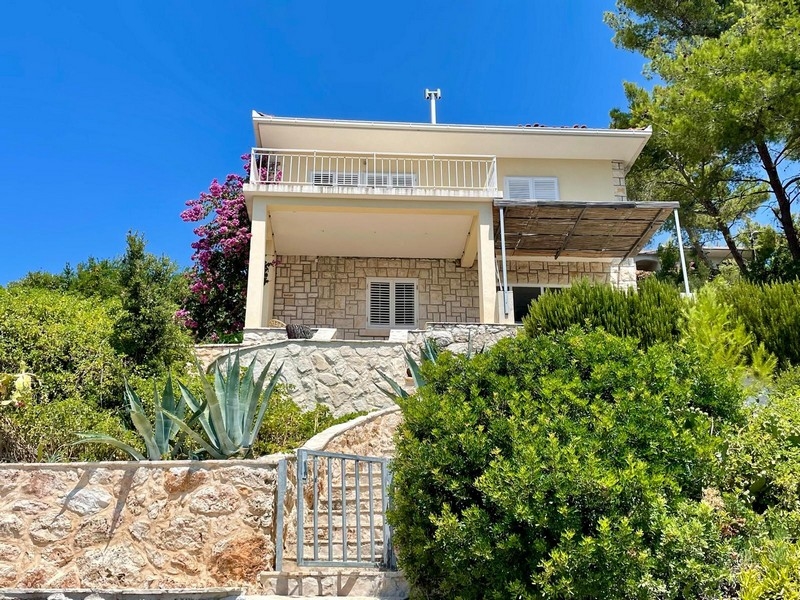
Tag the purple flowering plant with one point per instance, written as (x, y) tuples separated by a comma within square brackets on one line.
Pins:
[(214, 309)]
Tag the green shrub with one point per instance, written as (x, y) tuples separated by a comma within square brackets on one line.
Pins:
[(771, 313), (771, 571), (763, 459), (46, 432), (711, 328), (566, 465), (287, 427), (64, 340), (651, 315)]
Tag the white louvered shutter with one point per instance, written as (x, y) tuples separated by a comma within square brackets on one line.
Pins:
[(519, 188), (323, 178), (532, 188), (404, 304), (545, 188), (377, 179), (403, 180), (350, 179), (380, 306)]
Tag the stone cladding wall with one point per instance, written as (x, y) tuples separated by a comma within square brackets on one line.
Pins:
[(176, 524), (555, 273), (618, 180), (332, 291)]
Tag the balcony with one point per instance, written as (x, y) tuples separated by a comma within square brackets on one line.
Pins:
[(305, 172)]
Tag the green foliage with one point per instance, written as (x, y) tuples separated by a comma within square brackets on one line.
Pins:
[(16, 388), (230, 414), (231, 410), (147, 332), (286, 426), (63, 338), (93, 278), (45, 431), (771, 314), (763, 460), (161, 438), (429, 351), (771, 571), (651, 315), (563, 465), (712, 330)]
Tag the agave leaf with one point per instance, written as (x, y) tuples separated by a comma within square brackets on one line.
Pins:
[(258, 388), (142, 423), (413, 366), (396, 390), (251, 436), (198, 409), (230, 401), (213, 451), (96, 438), (217, 432)]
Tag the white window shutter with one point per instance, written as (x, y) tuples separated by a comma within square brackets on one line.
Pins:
[(519, 188), (350, 179), (545, 188), (404, 304), (532, 188), (380, 303)]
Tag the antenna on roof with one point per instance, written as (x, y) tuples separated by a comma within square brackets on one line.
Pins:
[(433, 96)]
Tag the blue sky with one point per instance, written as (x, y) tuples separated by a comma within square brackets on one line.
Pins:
[(116, 113)]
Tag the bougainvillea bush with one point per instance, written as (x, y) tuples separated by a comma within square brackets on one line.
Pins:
[(214, 309), (567, 465)]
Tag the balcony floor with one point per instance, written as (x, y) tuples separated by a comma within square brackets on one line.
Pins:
[(295, 189)]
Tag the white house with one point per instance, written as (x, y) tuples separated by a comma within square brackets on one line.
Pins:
[(377, 226)]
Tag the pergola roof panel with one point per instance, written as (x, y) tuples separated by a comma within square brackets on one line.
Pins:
[(586, 229)]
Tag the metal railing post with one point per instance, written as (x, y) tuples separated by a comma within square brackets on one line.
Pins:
[(279, 515), (301, 518)]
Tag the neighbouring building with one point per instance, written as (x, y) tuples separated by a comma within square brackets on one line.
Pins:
[(379, 226)]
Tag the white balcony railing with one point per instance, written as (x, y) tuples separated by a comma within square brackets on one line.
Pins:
[(370, 172)]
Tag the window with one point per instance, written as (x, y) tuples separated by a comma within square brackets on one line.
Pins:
[(391, 303), (524, 295), (531, 188), (332, 178), (329, 178)]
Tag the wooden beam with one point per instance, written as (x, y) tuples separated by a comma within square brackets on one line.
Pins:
[(471, 245), (654, 225), (569, 235)]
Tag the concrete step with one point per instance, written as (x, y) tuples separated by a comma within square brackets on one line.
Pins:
[(334, 581)]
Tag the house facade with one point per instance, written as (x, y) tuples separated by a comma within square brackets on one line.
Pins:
[(369, 227)]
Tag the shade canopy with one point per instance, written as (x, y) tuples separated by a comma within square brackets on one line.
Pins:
[(559, 228)]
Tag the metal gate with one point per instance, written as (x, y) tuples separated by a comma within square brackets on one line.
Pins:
[(342, 500)]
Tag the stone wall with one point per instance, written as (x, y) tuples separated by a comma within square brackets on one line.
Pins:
[(341, 375), (175, 524), (370, 435), (332, 291), (557, 272), (456, 338), (623, 273), (618, 180)]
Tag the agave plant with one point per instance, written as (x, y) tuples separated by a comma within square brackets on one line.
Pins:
[(160, 438), (230, 413), (227, 413), (430, 353)]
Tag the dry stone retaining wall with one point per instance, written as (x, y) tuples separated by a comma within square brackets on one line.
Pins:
[(130, 525)]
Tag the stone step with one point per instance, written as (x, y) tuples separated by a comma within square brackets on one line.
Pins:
[(334, 581), (351, 518)]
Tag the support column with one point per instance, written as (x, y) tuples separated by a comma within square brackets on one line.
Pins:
[(255, 272), (269, 291), (487, 290)]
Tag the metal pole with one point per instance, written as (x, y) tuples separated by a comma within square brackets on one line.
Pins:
[(503, 258), (680, 249)]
